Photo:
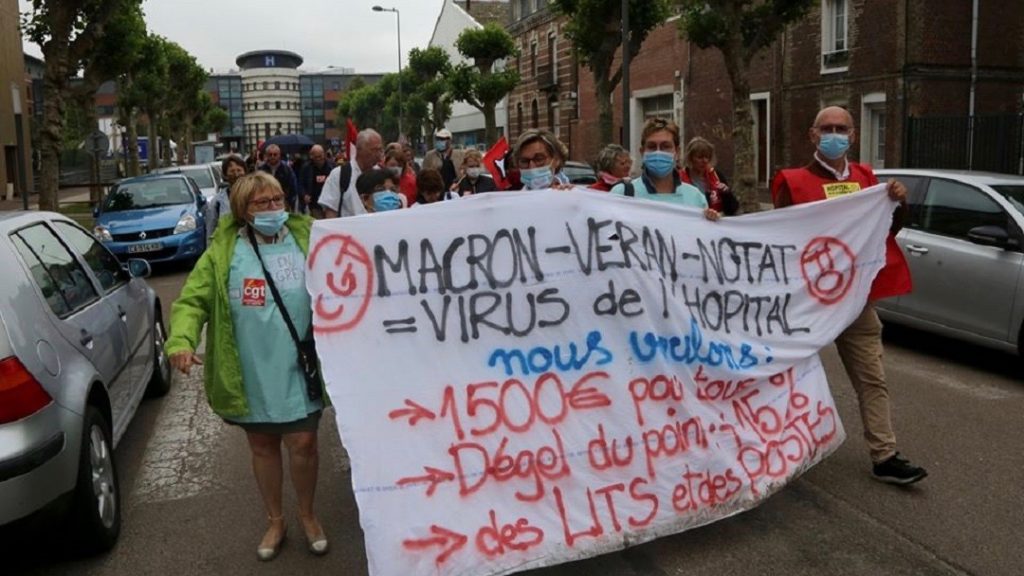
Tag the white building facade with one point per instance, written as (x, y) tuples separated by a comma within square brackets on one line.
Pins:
[(466, 123), (270, 93)]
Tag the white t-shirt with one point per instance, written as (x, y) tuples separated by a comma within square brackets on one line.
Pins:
[(330, 194)]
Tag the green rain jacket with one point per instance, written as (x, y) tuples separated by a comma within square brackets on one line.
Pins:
[(204, 300)]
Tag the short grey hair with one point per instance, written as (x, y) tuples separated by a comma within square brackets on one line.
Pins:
[(607, 156), (364, 137)]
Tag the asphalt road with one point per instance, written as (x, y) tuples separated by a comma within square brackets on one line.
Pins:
[(191, 506)]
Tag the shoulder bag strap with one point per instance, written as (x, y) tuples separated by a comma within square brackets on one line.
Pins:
[(273, 290)]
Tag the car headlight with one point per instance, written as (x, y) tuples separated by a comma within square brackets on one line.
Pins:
[(187, 223), (102, 234)]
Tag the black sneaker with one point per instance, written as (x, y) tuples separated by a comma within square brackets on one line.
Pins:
[(898, 470)]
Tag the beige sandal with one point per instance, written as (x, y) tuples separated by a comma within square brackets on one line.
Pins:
[(267, 553)]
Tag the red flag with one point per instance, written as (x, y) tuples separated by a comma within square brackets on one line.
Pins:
[(350, 140), (494, 161)]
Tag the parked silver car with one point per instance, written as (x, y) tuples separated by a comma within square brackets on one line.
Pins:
[(81, 342), (203, 175), (964, 243)]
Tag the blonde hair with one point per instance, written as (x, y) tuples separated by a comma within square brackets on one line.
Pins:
[(243, 190), (472, 153), (657, 125), (699, 147)]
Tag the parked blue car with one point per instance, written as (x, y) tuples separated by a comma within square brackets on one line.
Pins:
[(160, 218)]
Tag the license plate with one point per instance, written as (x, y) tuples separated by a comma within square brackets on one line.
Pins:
[(150, 247)]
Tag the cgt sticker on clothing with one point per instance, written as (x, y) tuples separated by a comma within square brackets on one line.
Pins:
[(286, 268), (254, 292)]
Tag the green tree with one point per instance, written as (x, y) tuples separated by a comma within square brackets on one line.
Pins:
[(481, 84), (67, 31), (145, 91), (595, 30), (366, 106), (430, 102), (185, 104), (740, 29)]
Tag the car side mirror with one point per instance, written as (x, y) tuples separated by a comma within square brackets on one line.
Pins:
[(139, 268), (989, 235)]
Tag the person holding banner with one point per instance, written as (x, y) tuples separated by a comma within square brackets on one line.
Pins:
[(249, 290), (659, 144), (540, 157), (377, 191), (830, 175), (613, 166), (339, 197)]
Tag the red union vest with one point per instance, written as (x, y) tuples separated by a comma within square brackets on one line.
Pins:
[(806, 186)]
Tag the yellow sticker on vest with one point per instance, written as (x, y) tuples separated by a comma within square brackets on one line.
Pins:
[(837, 189)]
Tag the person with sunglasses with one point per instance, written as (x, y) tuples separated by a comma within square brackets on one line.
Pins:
[(830, 174), (540, 158), (249, 290), (659, 144)]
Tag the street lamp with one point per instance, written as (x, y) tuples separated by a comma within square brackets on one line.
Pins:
[(398, 20)]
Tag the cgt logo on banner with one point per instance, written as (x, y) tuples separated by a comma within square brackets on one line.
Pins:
[(552, 375)]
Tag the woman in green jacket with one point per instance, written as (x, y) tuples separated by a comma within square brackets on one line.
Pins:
[(252, 377)]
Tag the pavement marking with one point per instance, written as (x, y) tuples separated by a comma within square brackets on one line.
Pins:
[(180, 457)]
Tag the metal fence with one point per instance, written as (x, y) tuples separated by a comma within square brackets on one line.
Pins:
[(993, 143), (76, 169)]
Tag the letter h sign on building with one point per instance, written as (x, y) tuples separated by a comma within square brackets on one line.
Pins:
[(553, 375)]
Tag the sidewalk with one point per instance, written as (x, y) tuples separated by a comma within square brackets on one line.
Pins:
[(67, 195)]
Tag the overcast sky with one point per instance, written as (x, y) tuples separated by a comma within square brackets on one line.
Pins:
[(344, 33)]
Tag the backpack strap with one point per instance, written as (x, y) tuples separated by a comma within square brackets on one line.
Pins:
[(628, 188), (344, 181)]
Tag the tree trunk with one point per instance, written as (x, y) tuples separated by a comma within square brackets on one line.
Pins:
[(85, 99), (51, 133), (132, 146), (490, 125), (605, 116), (745, 176), (153, 146)]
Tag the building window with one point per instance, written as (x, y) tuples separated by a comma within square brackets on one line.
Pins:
[(662, 106), (533, 58), (834, 42), (277, 105), (519, 118), (553, 57), (872, 130), (266, 85), (277, 85), (533, 114), (266, 105)]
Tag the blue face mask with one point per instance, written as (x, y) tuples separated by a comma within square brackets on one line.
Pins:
[(659, 164), (536, 178), (269, 223), (386, 200), (833, 146), (440, 145)]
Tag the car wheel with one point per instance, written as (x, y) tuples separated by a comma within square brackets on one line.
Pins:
[(160, 382), (96, 508)]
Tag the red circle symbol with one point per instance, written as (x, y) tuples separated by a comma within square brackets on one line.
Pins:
[(828, 266), (342, 299)]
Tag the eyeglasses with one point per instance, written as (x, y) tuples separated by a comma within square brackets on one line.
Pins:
[(264, 203), (538, 160), (834, 129)]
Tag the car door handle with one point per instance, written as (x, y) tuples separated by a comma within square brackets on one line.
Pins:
[(122, 314), (86, 339), (915, 249)]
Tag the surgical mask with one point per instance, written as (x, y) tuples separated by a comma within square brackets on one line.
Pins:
[(536, 178), (833, 146), (659, 163), (440, 145), (386, 200), (269, 223), (473, 173), (396, 171)]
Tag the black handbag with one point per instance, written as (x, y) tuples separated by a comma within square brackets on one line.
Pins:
[(306, 348)]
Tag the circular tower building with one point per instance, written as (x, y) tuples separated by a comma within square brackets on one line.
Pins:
[(270, 94)]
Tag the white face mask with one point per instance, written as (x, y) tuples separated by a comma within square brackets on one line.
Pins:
[(473, 172)]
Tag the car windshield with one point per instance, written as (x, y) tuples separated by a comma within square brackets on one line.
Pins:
[(201, 175), (148, 194), (1014, 193)]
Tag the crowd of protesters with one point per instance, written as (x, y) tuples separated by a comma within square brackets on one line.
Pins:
[(271, 210)]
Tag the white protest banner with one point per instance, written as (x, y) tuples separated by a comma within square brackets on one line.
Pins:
[(525, 379)]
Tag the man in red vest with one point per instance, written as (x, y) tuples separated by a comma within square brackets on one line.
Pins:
[(830, 175)]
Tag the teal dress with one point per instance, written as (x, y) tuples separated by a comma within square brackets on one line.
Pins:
[(274, 385)]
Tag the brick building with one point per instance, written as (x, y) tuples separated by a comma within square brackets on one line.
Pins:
[(15, 111), (903, 69), (547, 97)]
